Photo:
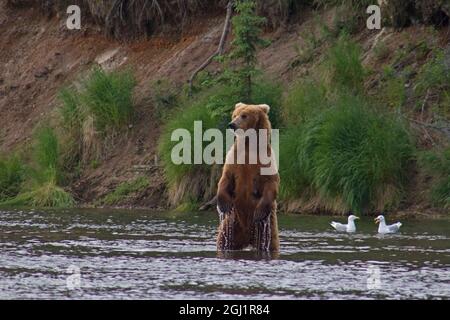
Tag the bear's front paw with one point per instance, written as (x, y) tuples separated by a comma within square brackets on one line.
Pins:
[(262, 212), (224, 207)]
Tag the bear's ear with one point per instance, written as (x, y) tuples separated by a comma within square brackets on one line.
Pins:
[(240, 104), (265, 107)]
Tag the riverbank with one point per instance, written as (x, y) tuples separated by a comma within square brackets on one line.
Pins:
[(40, 57)]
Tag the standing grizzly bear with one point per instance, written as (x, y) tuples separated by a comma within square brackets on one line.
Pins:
[(246, 195)]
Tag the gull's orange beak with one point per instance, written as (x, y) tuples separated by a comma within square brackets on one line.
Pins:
[(376, 220)]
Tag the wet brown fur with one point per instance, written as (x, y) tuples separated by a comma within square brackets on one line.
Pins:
[(247, 197)]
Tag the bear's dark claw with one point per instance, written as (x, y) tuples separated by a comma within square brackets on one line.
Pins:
[(262, 213), (224, 207)]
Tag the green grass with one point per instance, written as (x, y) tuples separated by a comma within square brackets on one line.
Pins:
[(40, 182), (394, 94), (72, 116), (434, 79), (71, 110), (98, 108), (46, 195), (348, 154), (126, 189), (12, 175), (269, 92), (191, 182), (434, 74), (46, 149), (109, 97), (304, 100), (185, 119), (436, 164), (295, 182), (344, 63), (189, 205)]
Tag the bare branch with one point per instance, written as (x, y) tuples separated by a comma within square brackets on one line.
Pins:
[(220, 48), (444, 129)]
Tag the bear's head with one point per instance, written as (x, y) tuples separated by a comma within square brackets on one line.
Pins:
[(250, 116)]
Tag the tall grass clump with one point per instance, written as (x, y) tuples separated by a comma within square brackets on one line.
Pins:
[(437, 165), (295, 182), (46, 153), (47, 195), (109, 97), (71, 110), (41, 188), (186, 180), (12, 175), (350, 158), (90, 114), (344, 63), (304, 101), (73, 116)]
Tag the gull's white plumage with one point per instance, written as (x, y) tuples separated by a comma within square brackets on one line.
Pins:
[(384, 228), (349, 227)]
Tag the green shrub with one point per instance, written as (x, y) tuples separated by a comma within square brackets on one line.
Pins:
[(437, 164), (344, 61), (125, 189), (348, 154), (12, 175), (108, 96)]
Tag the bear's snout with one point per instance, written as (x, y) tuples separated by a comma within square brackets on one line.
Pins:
[(232, 126)]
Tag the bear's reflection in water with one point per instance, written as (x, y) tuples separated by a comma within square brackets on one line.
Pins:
[(248, 255)]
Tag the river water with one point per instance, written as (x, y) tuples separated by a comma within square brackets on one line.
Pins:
[(120, 254)]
